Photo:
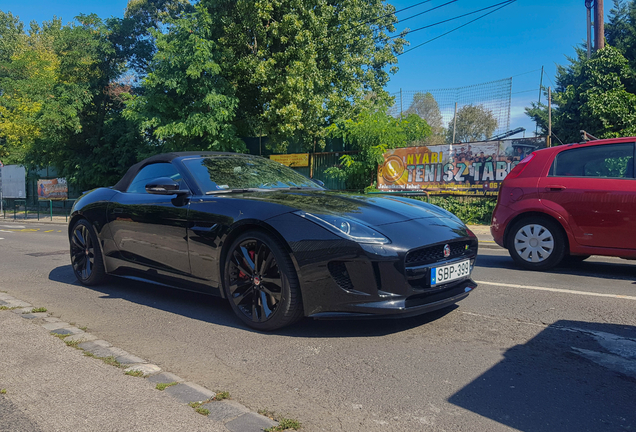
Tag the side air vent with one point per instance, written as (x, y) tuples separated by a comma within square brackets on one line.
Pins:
[(339, 273)]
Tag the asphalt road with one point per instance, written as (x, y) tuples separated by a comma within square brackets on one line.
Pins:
[(526, 351)]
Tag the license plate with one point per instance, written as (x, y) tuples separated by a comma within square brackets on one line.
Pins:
[(450, 272)]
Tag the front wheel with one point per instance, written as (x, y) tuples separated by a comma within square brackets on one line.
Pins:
[(86, 256), (261, 283), (536, 244)]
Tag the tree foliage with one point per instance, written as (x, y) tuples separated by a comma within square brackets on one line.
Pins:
[(133, 36), (426, 107), (186, 104), (298, 64), (61, 103), (70, 95), (373, 132), (474, 123), (597, 95), (591, 95)]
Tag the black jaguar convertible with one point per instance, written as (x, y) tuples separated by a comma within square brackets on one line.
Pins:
[(273, 242)]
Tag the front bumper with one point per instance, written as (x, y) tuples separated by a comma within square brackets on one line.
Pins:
[(405, 307), (377, 280)]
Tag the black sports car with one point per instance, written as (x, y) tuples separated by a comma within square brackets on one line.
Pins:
[(273, 242)]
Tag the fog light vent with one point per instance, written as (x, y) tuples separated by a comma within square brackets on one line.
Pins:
[(339, 273)]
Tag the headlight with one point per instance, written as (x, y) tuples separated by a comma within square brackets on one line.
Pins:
[(346, 228)]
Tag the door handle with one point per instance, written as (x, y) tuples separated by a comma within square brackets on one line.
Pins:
[(554, 188)]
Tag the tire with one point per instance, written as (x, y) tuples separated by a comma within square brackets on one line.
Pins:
[(261, 283), (536, 243), (86, 256)]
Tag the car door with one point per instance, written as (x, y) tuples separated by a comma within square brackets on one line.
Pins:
[(595, 190), (150, 230)]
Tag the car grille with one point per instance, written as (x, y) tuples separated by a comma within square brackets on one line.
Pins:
[(433, 254)]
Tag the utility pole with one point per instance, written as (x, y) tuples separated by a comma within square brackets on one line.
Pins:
[(549, 139), (454, 125), (599, 25), (400, 103), (588, 6), (536, 129)]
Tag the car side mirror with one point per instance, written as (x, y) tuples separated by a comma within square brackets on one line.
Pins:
[(165, 186), (318, 182)]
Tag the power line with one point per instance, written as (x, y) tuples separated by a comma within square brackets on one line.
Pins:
[(526, 73), (457, 28), (427, 11), (524, 91), (402, 10), (447, 20), (391, 13)]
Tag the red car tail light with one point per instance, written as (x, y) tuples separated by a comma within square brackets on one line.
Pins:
[(517, 170)]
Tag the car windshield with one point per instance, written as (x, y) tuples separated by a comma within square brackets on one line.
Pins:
[(223, 173)]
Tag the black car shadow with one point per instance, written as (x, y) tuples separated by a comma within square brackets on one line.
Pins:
[(622, 270), (571, 377), (215, 310)]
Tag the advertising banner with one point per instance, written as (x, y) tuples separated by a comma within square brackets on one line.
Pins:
[(292, 160), (54, 189), (460, 169)]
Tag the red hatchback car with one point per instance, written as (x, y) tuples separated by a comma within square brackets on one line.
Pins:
[(569, 202)]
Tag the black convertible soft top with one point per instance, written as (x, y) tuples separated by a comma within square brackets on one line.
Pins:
[(122, 185)]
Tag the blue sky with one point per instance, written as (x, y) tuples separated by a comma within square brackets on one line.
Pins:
[(511, 42)]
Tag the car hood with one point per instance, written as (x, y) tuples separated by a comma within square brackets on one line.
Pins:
[(373, 210)]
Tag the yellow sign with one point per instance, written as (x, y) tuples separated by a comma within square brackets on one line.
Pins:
[(292, 160)]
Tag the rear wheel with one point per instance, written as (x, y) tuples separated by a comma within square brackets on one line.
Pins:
[(261, 283), (86, 256), (536, 244)]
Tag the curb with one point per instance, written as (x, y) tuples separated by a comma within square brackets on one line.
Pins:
[(233, 415), (489, 245), (29, 221)]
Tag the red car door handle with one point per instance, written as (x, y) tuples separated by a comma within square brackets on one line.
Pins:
[(555, 188)]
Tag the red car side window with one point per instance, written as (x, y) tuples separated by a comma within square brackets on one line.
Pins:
[(603, 161)]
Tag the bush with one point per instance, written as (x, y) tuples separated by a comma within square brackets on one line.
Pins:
[(471, 210)]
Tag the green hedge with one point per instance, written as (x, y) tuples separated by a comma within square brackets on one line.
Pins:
[(471, 210)]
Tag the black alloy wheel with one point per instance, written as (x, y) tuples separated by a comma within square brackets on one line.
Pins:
[(86, 256), (261, 283)]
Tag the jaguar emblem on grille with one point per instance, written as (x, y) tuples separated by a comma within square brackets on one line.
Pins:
[(447, 251)]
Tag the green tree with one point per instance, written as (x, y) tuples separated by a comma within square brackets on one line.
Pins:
[(591, 95), (425, 106), (62, 103), (12, 36), (620, 31), (133, 35), (185, 103), (474, 123), (296, 65), (373, 132)]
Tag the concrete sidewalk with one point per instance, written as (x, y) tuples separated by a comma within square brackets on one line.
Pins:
[(46, 385)]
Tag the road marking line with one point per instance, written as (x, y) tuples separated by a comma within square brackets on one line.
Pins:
[(12, 226), (619, 296), (6, 231), (49, 231), (1, 238)]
